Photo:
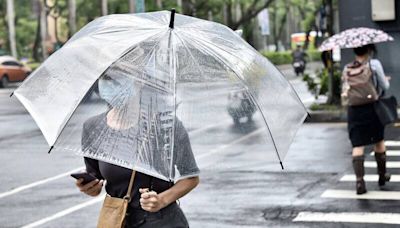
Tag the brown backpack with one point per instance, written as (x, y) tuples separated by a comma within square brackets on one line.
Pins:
[(358, 84)]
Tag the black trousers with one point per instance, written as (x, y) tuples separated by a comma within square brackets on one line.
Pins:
[(169, 217)]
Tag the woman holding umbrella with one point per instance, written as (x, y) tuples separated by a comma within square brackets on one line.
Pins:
[(363, 123), (364, 82), (153, 201)]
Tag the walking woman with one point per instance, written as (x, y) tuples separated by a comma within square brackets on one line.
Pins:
[(153, 201), (364, 127)]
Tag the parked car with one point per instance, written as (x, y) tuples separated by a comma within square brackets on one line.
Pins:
[(240, 105), (11, 70)]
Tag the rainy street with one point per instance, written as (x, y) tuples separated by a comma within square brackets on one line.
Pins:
[(237, 189)]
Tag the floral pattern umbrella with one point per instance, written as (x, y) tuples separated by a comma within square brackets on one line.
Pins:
[(355, 37)]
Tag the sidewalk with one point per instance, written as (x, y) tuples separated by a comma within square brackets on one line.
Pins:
[(308, 98)]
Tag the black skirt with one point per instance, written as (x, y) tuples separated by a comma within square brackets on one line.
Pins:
[(364, 126)]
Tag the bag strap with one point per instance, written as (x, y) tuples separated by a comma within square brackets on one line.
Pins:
[(128, 194)]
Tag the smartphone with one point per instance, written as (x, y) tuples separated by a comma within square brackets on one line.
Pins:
[(87, 177)]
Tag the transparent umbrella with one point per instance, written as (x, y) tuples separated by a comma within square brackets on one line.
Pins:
[(143, 90)]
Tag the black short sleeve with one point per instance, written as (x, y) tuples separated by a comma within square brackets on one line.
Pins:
[(92, 167), (183, 154)]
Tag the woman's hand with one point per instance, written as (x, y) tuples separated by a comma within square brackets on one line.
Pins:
[(92, 188), (151, 201)]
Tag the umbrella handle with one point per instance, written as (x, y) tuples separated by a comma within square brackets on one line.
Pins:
[(172, 20)]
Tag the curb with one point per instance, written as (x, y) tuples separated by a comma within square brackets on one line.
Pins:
[(327, 116)]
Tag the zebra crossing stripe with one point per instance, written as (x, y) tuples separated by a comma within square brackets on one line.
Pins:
[(390, 164), (392, 143), (390, 153), (351, 217), (351, 194), (65, 212), (369, 178)]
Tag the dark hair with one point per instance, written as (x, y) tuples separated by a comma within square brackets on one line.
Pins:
[(365, 49)]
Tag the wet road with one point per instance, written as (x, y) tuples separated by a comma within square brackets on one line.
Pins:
[(238, 188)]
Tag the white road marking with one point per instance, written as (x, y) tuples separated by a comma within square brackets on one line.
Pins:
[(392, 143), (390, 164), (369, 178), (34, 184), (225, 146), (65, 212), (391, 153), (353, 217), (351, 194), (200, 130)]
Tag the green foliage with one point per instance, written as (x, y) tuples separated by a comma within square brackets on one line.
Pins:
[(278, 58), (285, 57), (323, 75), (33, 65), (314, 55), (324, 107), (312, 84), (25, 35), (88, 10)]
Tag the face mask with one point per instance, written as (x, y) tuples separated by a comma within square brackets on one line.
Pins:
[(116, 91)]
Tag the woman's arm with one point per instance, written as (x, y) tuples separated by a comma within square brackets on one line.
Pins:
[(153, 202), (92, 188), (383, 82)]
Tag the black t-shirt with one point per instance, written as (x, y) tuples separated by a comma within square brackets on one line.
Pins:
[(118, 177)]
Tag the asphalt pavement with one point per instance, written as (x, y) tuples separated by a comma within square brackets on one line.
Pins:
[(238, 188)]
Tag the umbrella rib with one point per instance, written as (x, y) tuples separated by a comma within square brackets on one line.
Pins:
[(187, 49), (251, 95), (305, 109)]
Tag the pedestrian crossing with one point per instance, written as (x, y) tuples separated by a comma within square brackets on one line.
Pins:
[(350, 194), (369, 178), (354, 217), (389, 153), (389, 164)]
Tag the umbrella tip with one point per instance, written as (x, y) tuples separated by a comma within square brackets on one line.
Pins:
[(281, 165), (172, 20), (11, 94), (51, 148)]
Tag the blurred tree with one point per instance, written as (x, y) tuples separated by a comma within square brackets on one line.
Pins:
[(278, 14), (11, 27), (104, 7), (71, 17), (132, 7), (226, 11)]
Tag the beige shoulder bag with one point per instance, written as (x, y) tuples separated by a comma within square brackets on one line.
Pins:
[(113, 212)]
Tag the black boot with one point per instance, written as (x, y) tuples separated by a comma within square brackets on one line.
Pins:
[(381, 163), (358, 166)]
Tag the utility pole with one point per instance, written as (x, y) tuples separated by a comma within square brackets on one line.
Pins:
[(11, 27)]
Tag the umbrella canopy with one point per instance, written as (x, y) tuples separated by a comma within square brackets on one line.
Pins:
[(355, 37), (112, 92)]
